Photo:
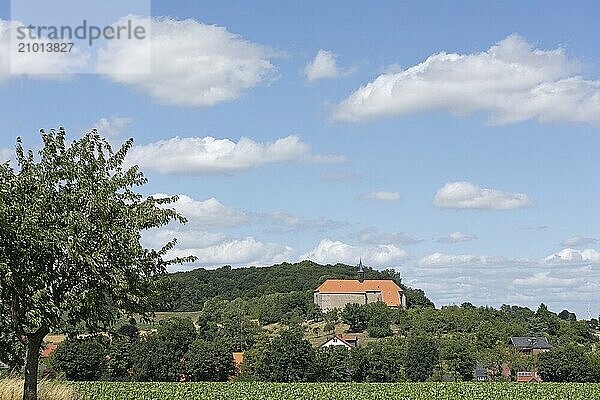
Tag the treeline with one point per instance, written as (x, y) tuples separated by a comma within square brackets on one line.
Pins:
[(187, 291), (417, 344)]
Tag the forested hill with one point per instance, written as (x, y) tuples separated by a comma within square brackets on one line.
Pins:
[(187, 291)]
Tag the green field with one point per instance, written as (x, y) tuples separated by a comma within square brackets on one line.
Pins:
[(337, 391)]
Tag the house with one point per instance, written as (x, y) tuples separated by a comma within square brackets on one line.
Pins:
[(3, 366), (351, 340), (528, 345), (339, 341), (336, 293), (480, 373), (528, 377)]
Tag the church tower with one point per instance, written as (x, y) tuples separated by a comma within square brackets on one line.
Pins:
[(361, 271)]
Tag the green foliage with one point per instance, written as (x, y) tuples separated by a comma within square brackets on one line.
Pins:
[(81, 359), (355, 315), (379, 317), (209, 360), (287, 358), (160, 356), (459, 357), (565, 364), (331, 364), (422, 354), (187, 291)]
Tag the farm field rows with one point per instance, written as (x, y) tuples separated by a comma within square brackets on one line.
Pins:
[(336, 391)]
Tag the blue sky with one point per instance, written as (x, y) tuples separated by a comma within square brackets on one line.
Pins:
[(454, 141)]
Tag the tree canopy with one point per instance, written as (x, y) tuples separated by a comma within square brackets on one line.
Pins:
[(70, 249)]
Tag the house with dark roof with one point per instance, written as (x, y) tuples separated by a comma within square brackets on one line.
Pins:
[(336, 293), (529, 345)]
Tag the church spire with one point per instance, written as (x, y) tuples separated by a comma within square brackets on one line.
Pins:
[(361, 271)]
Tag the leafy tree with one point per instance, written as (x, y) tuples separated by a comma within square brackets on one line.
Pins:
[(355, 315), (385, 361), (565, 364), (286, 359), (459, 358), (160, 356), (566, 315), (119, 361), (70, 250), (379, 319), (422, 354), (331, 364), (81, 359), (209, 361)]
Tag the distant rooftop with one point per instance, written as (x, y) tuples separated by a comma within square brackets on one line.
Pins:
[(530, 342)]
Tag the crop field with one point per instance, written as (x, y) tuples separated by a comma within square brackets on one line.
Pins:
[(337, 391)]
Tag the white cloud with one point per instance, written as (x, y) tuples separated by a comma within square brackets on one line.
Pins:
[(449, 260), (44, 65), (193, 64), (207, 155), (573, 256), (545, 281), (332, 252), (380, 196), (207, 213), (112, 126), (373, 236), (511, 82), (469, 195), (6, 154), (216, 249), (578, 241), (457, 237), (287, 222), (323, 66)]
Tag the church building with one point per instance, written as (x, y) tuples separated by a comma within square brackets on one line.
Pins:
[(336, 293)]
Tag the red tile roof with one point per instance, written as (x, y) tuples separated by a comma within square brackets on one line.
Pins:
[(388, 288), (48, 350)]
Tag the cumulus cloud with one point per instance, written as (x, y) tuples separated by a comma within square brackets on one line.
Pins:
[(193, 64), (207, 155), (457, 237), (573, 256), (206, 213), (331, 252), (469, 195), (323, 66), (380, 196), (285, 222), (214, 249), (449, 260), (112, 126), (578, 241), (52, 65), (511, 81), (374, 236), (544, 280)]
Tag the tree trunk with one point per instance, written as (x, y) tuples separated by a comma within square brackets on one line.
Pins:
[(32, 356)]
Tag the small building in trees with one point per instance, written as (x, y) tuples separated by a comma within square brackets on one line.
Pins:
[(530, 345), (528, 377), (336, 293), (345, 341)]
